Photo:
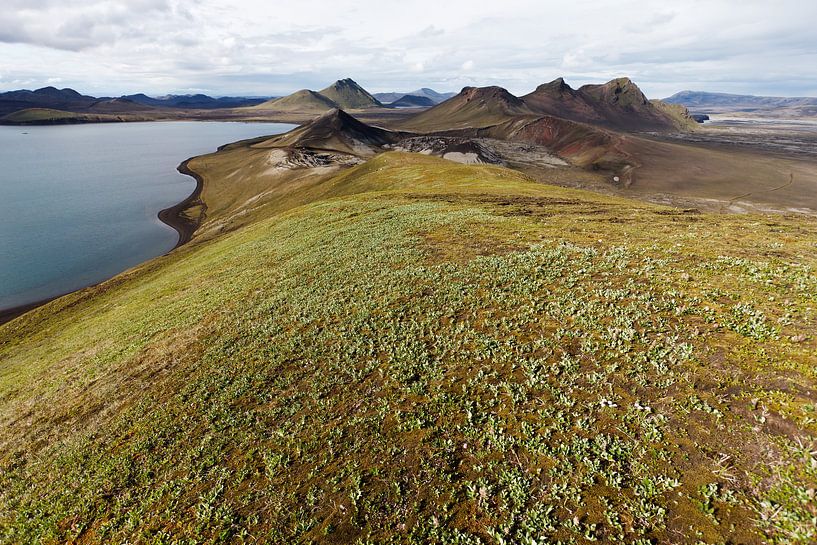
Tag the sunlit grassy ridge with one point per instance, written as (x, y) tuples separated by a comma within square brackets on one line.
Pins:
[(427, 353)]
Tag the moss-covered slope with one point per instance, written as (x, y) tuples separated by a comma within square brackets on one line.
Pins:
[(427, 353)]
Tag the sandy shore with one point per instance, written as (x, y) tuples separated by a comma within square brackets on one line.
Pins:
[(173, 216)]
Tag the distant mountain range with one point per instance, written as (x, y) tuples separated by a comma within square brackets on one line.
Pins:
[(198, 102), (708, 103), (346, 94), (618, 104), (425, 92), (70, 100)]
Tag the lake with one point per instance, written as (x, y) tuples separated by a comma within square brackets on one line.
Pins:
[(79, 203)]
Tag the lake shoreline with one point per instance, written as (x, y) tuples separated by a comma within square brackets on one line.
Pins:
[(184, 217), (11, 313), (172, 216)]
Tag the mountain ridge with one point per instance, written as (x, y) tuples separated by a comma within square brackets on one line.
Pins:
[(70, 100), (618, 104)]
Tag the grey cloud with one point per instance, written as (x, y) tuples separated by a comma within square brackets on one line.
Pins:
[(74, 25)]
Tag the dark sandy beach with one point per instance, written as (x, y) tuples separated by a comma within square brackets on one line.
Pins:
[(174, 216)]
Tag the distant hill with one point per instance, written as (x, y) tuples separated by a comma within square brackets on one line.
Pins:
[(388, 98), (431, 94), (348, 95), (46, 97), (704, 102), (412, 101), (305, 101), (335, 131), (473, 107), (617, 104), (46, 116), (118, 105)]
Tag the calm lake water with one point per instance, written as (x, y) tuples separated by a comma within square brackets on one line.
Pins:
[(79, 204)]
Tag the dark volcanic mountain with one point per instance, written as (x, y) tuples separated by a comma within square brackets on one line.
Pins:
[(336, 131), (617, 104), (348, 95), (473, 107), (559, 99)]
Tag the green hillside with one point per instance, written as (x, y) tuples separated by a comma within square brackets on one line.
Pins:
[(417, 351), (300, 101), (347, 94)]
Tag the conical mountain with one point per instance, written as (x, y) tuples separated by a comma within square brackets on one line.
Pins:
[(348, 95), (336, 131), (303, 101)]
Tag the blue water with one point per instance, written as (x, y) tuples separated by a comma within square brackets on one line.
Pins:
[(79, 204)]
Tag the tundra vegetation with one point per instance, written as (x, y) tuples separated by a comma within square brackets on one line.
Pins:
[(427, 352)]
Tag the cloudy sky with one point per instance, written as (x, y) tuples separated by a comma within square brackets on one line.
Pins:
[(273, 47)]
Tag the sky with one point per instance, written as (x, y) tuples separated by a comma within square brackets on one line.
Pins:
[(274, 47)]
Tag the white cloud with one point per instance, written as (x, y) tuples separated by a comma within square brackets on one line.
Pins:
[(261, 47)]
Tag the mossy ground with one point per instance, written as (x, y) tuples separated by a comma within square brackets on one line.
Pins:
[(428, 353)]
